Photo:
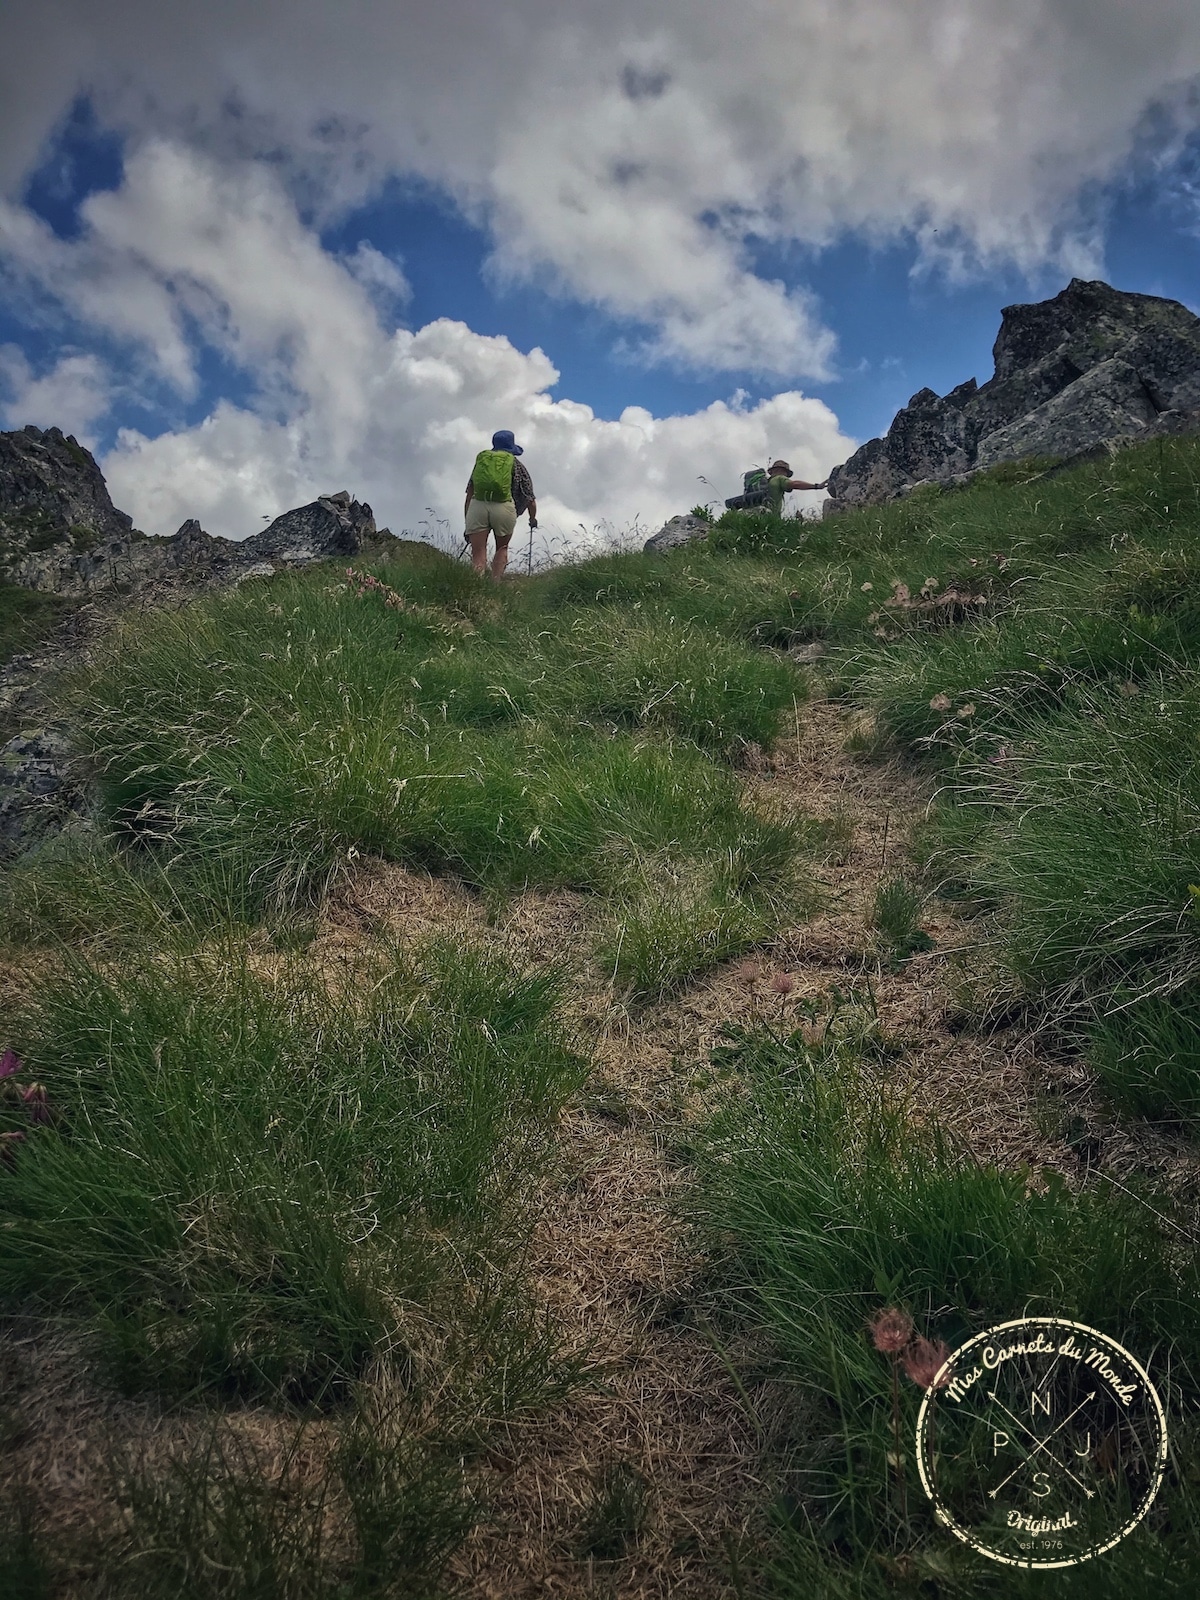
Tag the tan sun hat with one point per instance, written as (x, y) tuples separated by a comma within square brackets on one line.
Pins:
[(780, 466)]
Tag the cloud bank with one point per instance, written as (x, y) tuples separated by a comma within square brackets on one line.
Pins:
[(396, 416), (626, 158)]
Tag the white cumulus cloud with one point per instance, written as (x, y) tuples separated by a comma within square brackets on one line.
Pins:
[(630, 157), (341, 397), (75, 393)]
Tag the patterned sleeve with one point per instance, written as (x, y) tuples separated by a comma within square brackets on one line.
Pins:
[(522, 486)]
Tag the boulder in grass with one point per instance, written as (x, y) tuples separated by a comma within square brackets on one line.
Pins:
[(679, 531)]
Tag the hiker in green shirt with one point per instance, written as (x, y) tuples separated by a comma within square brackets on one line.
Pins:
[(764, 491), (498, 491), (781, 481)]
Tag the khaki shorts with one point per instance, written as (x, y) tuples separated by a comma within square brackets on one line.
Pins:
[(492, 516)]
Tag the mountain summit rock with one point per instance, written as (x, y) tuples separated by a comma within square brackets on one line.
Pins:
[(1090, 365), (51, 487)]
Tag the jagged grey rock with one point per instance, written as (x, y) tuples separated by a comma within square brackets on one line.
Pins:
[(49, 484), (37, 791), (332, 525), (60, 532), (1093, 364), (680, 530)]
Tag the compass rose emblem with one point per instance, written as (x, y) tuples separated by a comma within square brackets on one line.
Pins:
[(1041, 1442)]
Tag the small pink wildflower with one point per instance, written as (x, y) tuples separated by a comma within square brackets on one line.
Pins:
[(782, 984), (10, 1064), (891, 1329)]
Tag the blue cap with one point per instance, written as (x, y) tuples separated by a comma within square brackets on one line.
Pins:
[(505, 441)]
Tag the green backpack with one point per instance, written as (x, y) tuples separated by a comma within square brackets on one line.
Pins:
[(492, 475), (756, 478)]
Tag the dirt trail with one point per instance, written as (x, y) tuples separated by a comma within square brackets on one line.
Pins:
[(614, 1267), (616, 1271)]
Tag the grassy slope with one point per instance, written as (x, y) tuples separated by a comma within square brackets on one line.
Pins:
[(578, 730), (1061, 714), (26, 618)]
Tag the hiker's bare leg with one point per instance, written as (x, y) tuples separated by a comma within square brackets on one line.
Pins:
[(478, 540), (500, 559)]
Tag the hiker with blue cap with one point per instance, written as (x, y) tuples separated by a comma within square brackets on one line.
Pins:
[(498, 491)]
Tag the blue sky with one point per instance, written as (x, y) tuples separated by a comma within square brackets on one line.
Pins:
[(899, 329), (710, 274)]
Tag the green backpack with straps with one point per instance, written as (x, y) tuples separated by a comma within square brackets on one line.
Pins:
[(755, 491), (492, 475)]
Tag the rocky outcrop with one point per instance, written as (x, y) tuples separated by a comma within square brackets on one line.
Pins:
[(50, 486), (1091, 365), (680, 530), (333, 525), (61, 533), (38, 791)]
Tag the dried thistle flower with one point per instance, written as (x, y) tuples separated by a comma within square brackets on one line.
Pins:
[(922, 1361), (782, 984), (891, 1329), (8, 1148), (748, 973)]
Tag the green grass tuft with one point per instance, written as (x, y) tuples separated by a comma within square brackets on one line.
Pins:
[(830, 1202), (246, 1180)]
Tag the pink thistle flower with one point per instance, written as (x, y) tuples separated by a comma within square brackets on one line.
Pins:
[(891, 1329), (923, 1360), (748, 973), (10, 1064), (36, 1103), (782, 984)]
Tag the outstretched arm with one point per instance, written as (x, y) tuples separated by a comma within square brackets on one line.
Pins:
[(798, 483)]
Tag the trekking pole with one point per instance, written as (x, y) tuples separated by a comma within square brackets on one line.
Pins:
[(529, 557)]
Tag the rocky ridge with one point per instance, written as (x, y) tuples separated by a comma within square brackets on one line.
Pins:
[(60, 532), (1093, 365)]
